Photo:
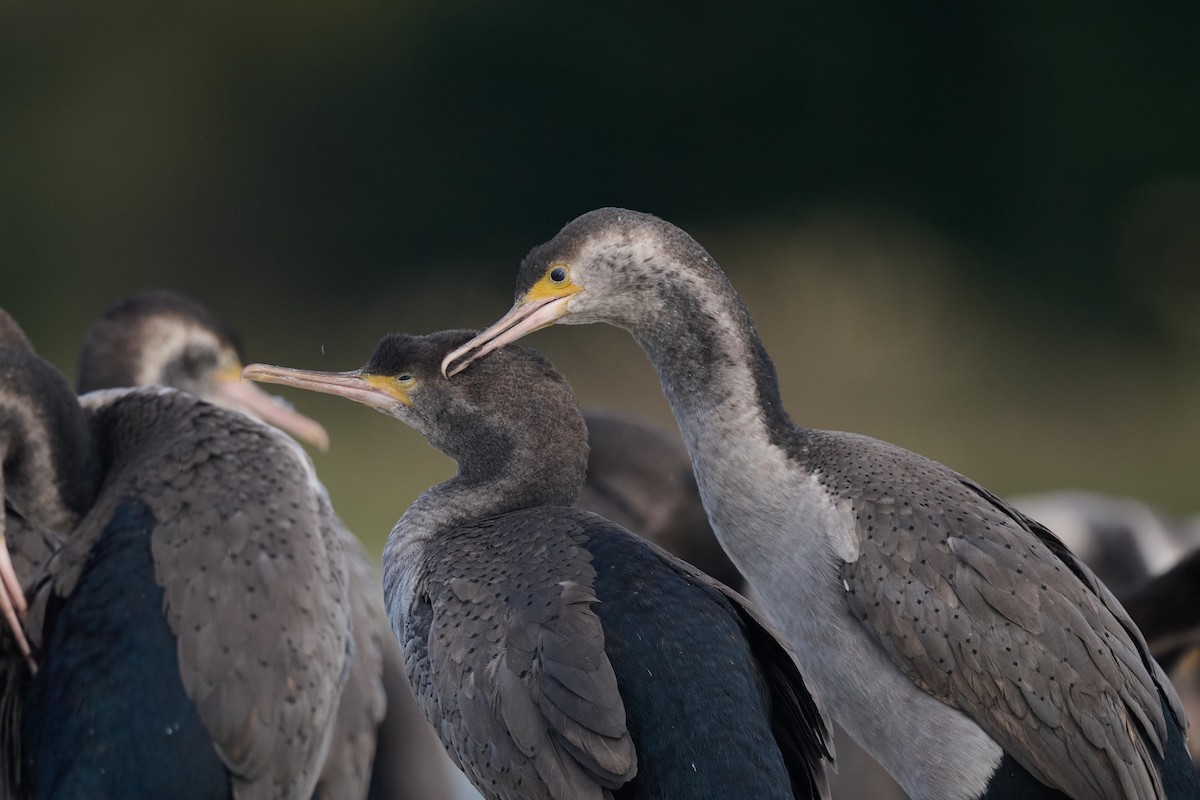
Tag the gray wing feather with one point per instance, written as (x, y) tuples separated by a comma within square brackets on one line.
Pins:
[(806, 736), (507, 659), (258, 603), (363, 702), (988, 612), (254, 579)]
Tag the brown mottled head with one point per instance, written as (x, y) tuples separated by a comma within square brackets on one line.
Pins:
[(159, 338)]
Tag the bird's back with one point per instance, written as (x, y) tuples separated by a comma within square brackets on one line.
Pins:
[(688, 660), (986, 610), (244, 572), (710, 713), (107, 715)]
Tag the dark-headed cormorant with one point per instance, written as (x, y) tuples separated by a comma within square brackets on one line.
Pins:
[(558, 655), (955, 638)]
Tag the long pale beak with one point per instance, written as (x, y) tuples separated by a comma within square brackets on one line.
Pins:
[(525, 317), (360, 388), (12, 599), (243, 396)]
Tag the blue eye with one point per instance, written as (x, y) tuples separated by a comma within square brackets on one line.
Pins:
[(558, 275)]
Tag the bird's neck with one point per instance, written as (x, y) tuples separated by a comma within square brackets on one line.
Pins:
[(525, 477), (50, 468), (721, 385), (715, 372), (125, 422)]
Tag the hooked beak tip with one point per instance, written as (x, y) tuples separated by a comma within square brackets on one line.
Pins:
[(448, 372), (523, 318)]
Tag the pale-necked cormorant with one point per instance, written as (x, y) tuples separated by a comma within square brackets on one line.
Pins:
[(952, 636), (160, 338)]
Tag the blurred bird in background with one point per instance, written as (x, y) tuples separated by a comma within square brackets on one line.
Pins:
[(163, 338), (194, 627)]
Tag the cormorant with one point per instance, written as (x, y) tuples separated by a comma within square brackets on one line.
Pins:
[(953, 637), (558, 655)]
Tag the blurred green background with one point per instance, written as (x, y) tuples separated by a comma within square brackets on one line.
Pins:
[(971, 229)]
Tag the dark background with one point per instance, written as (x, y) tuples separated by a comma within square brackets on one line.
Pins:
[(972, 229)]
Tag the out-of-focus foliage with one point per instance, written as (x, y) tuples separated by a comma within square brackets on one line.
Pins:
[(331, 142), (970, 228)]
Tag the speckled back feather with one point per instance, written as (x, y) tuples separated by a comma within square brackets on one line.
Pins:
[(1037, 654), (244, 538)]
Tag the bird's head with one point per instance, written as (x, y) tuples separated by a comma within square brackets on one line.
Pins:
[(11, 333), (515, 407), (159, 338), (611, 265)]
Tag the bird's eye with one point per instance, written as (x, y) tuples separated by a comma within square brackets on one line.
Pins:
[(406, 379), (558, 275)]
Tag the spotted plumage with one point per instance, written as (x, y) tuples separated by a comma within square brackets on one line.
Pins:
[(984, 609), (237, 539), (169, 663), (162, 338), (558, 655), (955, 639)]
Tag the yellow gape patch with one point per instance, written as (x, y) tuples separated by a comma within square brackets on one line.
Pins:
[(549, 289), (231, 373), (392, 387)]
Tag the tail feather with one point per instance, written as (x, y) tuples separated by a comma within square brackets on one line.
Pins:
[(14, 678)]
